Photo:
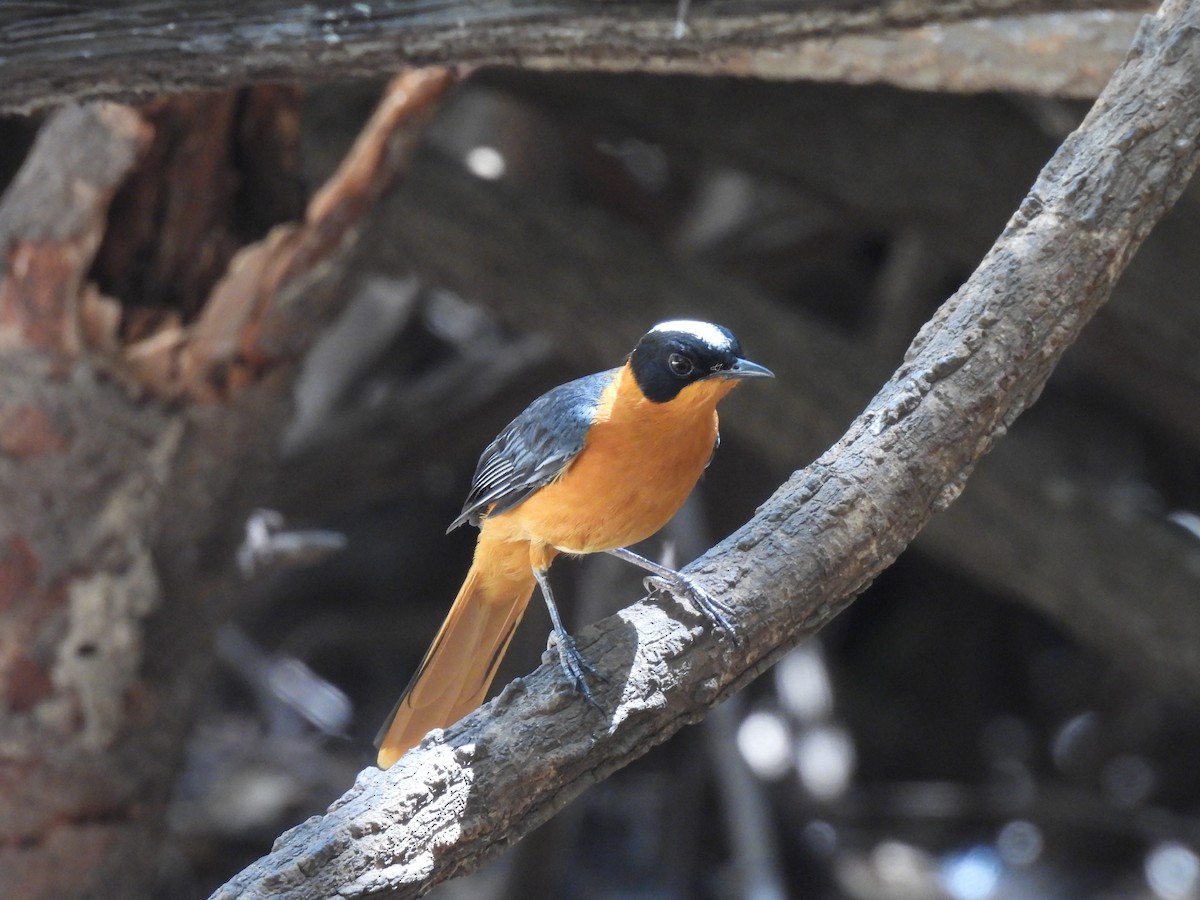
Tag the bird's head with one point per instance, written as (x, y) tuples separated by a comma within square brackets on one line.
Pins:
[(673, 356)]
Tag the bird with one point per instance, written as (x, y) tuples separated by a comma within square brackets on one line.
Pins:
[(592, 466)]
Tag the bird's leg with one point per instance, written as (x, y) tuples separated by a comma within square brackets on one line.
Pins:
[(572, 662), (711, 608)]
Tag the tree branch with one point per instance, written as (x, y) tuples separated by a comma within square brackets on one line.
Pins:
[(480, 785), (146, 48), (998, 54)]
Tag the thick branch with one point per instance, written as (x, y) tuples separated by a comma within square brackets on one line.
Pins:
[(145, 48), (1009, 53), (983, 358)]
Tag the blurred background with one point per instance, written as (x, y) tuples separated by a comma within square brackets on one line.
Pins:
[(1010, 711)]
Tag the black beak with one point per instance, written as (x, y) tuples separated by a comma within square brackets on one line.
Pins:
[(743, 368)]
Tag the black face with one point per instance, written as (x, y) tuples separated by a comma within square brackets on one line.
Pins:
[(672, 356)]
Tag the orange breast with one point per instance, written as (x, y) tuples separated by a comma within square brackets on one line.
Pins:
[(640, 462)]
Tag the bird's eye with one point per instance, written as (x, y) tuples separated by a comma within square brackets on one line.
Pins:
[(680, 365)]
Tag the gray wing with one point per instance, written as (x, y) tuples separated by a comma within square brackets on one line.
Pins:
[(535, 447)]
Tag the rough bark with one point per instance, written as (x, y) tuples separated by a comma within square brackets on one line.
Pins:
[(125, 468), (147, 48), (473, 789), (1050, 55)]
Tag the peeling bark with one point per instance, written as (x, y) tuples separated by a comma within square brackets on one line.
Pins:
[(147, 48), (48, 256), (122, 487)]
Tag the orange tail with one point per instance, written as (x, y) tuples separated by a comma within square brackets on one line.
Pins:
[(459, 667)]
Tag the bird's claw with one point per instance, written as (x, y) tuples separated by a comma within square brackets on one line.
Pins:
[(577, 669), (709, 606)]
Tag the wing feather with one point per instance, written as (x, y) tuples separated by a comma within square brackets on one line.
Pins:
[(535, 448)]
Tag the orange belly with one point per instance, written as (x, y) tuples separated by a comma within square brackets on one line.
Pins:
[(640, 462)]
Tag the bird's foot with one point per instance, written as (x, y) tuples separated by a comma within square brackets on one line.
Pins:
[(709, 606), (577, 669)]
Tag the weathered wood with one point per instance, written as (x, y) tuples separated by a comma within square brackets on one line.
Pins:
[(238, 149), (1049, 55), (112, 501), (148, 48), (75, 169), (473, 789)]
